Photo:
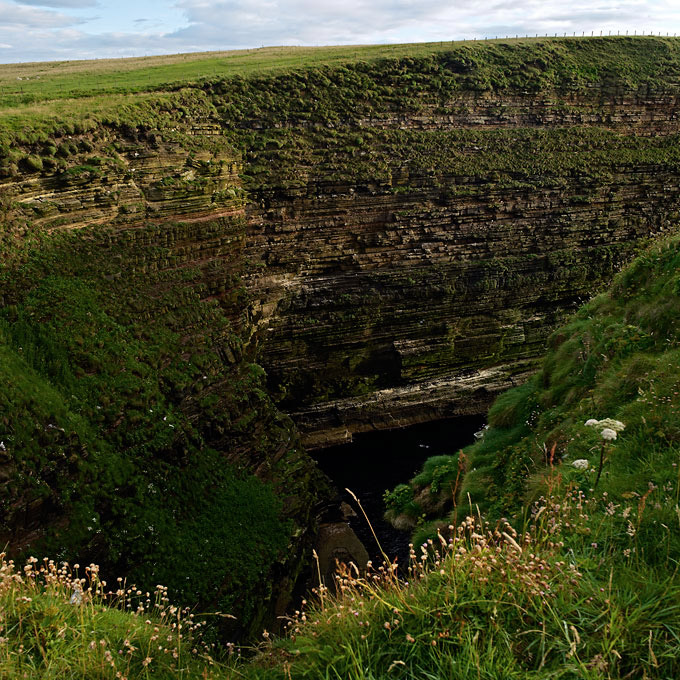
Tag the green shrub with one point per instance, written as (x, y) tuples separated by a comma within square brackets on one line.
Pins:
[(33, 163)]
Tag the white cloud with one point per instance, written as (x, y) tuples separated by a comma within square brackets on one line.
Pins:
[(247, 23), (226, 24), (27, 17), (66, 4)]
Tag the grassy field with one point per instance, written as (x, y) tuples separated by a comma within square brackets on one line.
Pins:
[(33, 82), (38, 98), (29, 83)]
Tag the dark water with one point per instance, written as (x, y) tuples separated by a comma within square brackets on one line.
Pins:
[(378, 461)]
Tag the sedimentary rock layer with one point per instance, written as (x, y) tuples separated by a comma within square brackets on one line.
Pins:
[(439, 246)]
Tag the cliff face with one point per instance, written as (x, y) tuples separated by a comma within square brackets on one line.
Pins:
[(409, 264), (393, 241)]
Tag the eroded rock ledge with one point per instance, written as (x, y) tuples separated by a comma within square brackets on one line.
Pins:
[(458, 395)]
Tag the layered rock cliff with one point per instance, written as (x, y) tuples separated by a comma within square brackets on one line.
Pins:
[(411, 249), (393, 241), (136, 430)]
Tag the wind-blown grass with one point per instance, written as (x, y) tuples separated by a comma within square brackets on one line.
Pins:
[(487, 601), (57, 623)]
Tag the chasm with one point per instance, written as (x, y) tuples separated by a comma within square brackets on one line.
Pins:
[(375, 462)]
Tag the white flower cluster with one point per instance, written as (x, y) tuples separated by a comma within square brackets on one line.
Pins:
[(608, 434), (608, 427), (581, 464), (606, 424)]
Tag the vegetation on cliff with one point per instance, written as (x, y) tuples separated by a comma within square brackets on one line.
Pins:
[(581, 578), (617, 358), (131, 425), (136, 423), (458, 156)]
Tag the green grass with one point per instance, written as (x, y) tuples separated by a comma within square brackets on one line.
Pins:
[(484, 601), (63, 621), (114, 426), (31, 92), (29, 83), (32, 82)]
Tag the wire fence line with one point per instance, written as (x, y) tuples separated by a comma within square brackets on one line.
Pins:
[(574, 34)]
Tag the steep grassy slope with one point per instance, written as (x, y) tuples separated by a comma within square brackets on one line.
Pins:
[(132, 424), (616, 359), (135, 427)]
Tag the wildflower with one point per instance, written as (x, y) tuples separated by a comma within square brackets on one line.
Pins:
[(612, 424), (606, 424), (581, 464), (480, 434), (608, 434)]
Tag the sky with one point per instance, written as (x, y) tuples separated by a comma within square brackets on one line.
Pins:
[(49, 30)]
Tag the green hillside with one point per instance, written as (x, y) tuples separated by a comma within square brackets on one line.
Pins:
[(616, 359), (30, 83), (580, 581)]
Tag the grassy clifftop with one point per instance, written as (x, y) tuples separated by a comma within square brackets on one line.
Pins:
[(582, 59), (40, 98)]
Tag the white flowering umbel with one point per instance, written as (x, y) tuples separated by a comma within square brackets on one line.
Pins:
[(608, 434), (581, 464), (606, 424), (611, 424), (609, 429)]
